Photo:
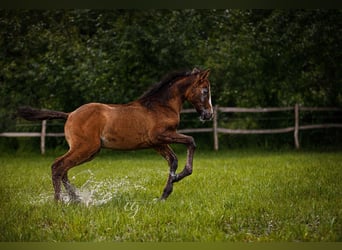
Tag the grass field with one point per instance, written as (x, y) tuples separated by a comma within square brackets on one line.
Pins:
[(231, 196)]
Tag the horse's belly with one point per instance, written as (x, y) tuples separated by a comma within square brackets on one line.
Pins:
[(127, 142), (123, 145), (126, 128)]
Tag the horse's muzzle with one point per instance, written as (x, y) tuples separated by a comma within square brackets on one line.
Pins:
[(206, 115)]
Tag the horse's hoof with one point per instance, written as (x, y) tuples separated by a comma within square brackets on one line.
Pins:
[(157, 200)]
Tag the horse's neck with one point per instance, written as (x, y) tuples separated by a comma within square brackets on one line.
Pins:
[(174, 99), (179, 96)]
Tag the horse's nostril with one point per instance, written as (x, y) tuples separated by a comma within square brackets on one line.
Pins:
[(206, 115)]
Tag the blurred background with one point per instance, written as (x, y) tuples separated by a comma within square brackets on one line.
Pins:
[(61, 59)]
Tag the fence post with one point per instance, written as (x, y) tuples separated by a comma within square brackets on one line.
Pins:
[(42, 137), (296, 128), (216, 142)]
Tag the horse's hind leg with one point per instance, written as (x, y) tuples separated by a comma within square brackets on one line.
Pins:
[(69, 187), (57, 174), (61, 166), (59, 171)]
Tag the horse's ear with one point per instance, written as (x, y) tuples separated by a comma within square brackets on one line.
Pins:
[(205, 74), (195, 71), (201, 76)]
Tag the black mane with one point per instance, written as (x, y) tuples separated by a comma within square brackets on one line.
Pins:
[(167, 80)]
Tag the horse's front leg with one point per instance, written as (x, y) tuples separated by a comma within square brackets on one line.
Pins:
[(173, 137), (191, 146), (171, 158)]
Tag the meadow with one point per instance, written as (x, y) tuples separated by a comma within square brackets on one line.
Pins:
[(243, 196)]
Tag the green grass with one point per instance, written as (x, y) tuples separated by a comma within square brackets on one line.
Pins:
[(231, 196)]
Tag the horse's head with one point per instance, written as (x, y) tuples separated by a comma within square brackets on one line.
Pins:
[(199, 94)]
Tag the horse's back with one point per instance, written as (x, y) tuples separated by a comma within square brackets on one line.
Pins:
[(86, 115), (116, 126)]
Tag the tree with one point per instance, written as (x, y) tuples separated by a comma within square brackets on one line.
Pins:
[(61, 59)]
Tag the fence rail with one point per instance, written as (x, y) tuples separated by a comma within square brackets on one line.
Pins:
[(215, 129), (295, 129)]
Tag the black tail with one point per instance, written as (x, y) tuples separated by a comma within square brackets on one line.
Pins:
[(32, 114)]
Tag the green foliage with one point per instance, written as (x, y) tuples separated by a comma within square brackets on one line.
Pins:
[(231, 196), (61, 59)]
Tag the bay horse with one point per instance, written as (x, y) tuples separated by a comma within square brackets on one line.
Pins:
[(151, 121)]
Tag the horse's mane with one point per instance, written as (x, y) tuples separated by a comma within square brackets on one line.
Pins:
[(167, 80), (159, 93)]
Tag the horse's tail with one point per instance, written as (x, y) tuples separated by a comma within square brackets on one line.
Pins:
[(32, 114)]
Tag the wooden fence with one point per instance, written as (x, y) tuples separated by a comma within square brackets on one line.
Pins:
[(215, 129), (295, 128), (42, 134)]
